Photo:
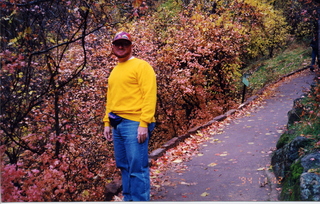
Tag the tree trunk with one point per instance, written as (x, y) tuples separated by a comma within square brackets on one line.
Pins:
[(318, 35)]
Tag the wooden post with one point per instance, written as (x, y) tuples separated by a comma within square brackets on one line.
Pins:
[(246, 83), (244, 93)]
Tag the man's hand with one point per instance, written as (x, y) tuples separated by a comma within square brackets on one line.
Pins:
[(107, 133), (142, 134)]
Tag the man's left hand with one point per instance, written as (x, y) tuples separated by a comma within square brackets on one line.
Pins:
[(142, 134)]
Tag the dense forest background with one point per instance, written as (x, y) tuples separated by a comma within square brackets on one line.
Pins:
[(56, 58)]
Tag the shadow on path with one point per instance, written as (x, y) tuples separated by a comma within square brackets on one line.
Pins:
[(234, 165)]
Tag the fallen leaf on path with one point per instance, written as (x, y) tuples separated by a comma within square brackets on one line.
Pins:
[(204, 194), (261, 169), (251, 143), (188, 184), (177, 161), (213, 164)]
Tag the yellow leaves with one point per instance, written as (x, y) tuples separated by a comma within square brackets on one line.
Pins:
[(21, 35), (108, 181), (216, 141), (280, 131), (205, 194), (222, 154), (261, 169), (28, 30), (13, 41), (178, 161), (20, 75), (199, 134), (314, 170), (52, 40), (212, 164), (136, 3), (85, 193), (80, 80), (188, 184)]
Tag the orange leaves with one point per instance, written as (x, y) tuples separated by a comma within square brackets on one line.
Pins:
[(196, 58), (192, 68), (137, 3)]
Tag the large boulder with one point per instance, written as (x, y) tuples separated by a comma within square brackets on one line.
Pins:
[(311, 161), (300, 174), (310, 187), (285, 156), (310, 179)]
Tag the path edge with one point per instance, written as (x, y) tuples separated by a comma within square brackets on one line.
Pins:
[(155, 154)]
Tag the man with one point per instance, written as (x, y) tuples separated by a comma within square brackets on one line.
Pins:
[(130, 109), (314, 54)]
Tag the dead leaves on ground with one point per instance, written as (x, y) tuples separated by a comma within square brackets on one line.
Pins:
[(175, 158)]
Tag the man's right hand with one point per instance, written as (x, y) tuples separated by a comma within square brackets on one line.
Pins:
[(107, 133)]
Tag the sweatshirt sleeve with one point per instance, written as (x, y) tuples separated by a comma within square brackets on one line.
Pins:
[(107, 111), (148, 84)]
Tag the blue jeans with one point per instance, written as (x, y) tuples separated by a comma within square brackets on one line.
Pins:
[(132, 159), (314, 55)]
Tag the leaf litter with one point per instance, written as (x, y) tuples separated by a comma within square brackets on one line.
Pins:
[(174, 159)]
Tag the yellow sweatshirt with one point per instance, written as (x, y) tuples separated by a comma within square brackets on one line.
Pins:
[(132, 92)]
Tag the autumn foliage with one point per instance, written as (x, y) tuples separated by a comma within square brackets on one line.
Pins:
[(54, 79)]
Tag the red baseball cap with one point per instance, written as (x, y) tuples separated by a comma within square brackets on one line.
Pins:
[(122, 36)]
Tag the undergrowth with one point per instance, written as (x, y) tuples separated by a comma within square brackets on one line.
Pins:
[(265, 71)]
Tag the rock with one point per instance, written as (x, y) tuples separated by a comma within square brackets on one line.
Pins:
[(295, 113), (310, 187), (311, 161), (310, 179), (157, 153), (171, 143), (299, 174), (285, 156)]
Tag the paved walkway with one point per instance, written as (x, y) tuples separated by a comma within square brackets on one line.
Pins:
[(234, 169)]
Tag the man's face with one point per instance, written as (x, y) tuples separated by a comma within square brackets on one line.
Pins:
[(122, 48)]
